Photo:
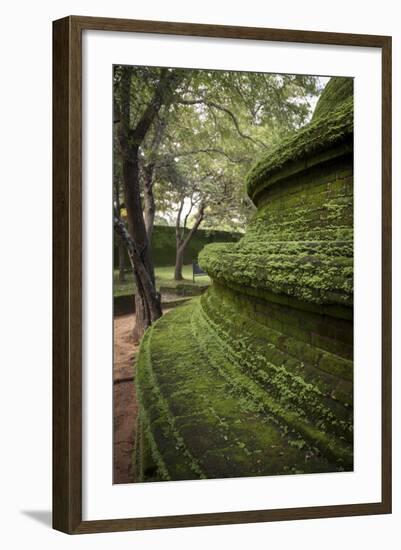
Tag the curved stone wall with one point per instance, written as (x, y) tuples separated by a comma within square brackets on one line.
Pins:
[(255, 377)]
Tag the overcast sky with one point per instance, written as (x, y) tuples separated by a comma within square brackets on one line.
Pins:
[(323, 81)]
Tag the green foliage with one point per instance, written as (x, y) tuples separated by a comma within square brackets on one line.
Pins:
[(163, 245), (205, 137)]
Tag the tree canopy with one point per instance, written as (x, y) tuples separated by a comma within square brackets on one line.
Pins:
[(187, 138), (209, 134)]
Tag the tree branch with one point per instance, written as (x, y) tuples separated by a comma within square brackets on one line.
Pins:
[(210, 150), (178, 221), (136, 260), (163, 96), (186, 218), (198, 221), (124, 109), (214, 105)]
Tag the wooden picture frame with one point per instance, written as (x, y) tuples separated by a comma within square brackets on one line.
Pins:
[(67, 274)]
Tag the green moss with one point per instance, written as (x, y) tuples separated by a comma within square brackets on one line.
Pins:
[(216, 406), (160, 437), (334, 129), (336, 91), (320, 278), (255, 377), (299, 243)]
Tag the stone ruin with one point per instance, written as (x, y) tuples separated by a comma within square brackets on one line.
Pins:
[(255, 377)]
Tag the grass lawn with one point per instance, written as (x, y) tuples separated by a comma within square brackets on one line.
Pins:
[(164, 277)]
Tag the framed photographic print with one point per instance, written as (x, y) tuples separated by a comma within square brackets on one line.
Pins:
[(222, 274)]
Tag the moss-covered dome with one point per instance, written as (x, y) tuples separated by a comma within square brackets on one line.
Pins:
[(255, 376), (332, 126), (337, 91), (300, 242)]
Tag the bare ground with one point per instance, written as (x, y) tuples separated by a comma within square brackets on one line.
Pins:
[(125, 408)]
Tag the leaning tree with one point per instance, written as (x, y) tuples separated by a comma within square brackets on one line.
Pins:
[(139, 96), (212, 124)]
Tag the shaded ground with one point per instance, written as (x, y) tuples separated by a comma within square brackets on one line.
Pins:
[(125, 408), (124, 400)]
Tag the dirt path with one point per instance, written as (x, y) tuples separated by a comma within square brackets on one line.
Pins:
[(125, 407)]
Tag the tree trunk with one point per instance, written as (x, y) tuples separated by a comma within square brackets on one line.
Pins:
[(179, 260), (142, 317), (149, 201), (121, 261), (149, 211), (147, 300), (182, 241)]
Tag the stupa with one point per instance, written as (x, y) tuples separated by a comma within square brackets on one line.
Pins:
[(255, 377)]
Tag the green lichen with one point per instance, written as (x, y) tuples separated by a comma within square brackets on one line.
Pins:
[(299, 243), (217, 407), (334, 129), (255, 377), (319, 278), (337, 90)]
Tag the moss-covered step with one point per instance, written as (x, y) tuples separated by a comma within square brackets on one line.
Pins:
[(183, 288), (330, 133), (208, 411)]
